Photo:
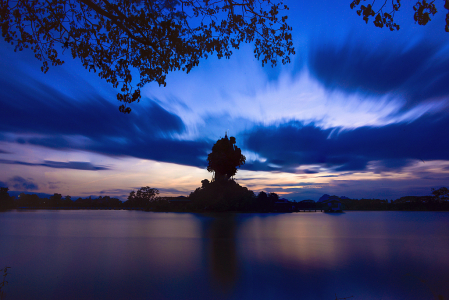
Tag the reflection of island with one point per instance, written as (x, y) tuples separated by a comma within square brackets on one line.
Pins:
[(222, 250)]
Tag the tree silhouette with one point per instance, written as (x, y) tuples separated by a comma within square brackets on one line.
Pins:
[(4, 195), (384, 13), (225, 158), (143, 197), (441, 194), (204, 183), (55, 200), (153, 36), (6, 201)]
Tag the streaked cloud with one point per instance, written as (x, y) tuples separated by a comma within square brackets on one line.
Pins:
[(76, 165), (55, 121), (418, 73), (290, 145)]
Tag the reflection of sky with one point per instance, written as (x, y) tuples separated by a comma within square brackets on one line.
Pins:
[(123, 254), (366, 252), (312, 239), (360, 112)]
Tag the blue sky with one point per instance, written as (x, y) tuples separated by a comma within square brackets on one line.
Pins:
[(360, 112)]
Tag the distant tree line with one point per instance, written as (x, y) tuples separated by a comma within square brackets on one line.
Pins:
[(439, 200), (221, 195), (212, 196), (55, 201), (135, 200)]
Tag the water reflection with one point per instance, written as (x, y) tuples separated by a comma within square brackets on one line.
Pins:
[(137, 255), (220, 233)]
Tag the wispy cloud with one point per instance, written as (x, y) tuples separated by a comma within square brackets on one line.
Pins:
[(76, 165)]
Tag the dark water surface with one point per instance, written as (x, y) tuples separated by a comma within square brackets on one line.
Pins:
[(140, 255)]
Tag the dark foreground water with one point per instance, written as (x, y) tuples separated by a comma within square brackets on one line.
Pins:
[(140, 255)]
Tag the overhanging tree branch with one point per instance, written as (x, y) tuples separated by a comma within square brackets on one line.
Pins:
[(153, 37)]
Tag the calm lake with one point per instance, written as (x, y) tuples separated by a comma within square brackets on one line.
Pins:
[(307, 255)]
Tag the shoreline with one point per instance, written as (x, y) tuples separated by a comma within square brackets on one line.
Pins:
[(211, 211)]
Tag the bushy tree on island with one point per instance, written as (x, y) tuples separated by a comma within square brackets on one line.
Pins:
[(223, 193), (225, 158)]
